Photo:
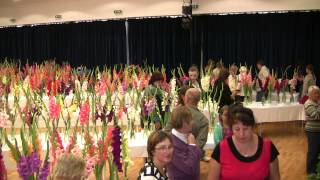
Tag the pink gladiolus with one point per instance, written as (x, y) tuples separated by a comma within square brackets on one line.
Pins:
[(54, 108), (135, 84), (3, 119), (185, 78), (90, 163), (102, 87), (84, 113)]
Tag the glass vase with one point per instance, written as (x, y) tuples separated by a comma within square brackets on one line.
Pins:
[(284, 97)]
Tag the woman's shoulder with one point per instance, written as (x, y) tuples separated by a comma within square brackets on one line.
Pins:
[(150, 172)]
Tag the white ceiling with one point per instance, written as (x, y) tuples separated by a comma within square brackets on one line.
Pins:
[(43, 11)]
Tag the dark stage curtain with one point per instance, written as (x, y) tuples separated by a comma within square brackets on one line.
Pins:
[(159, 41), (85, 43), (279, 39)]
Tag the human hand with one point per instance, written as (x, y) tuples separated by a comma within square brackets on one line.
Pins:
[(191, 139)]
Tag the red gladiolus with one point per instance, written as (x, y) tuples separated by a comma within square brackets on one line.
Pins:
[(84, 113), (54, 108)]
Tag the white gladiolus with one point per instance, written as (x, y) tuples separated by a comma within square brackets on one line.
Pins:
[(75, 115), (22, 102), (10, 101), (65, 113), (103, 100), (84, 86), (45, 99), (201, 105), (77, 84), (68, 100), (205, 83), (173, 83)]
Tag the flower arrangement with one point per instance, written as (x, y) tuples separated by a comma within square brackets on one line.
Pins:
[(246, 84), (91, 113)]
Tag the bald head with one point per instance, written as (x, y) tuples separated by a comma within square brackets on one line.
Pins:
[(192, 96)]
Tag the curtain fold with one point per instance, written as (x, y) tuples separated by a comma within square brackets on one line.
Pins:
[(90, 44), (159, 41), (280, 39)]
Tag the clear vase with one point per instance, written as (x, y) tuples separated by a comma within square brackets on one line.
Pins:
[(291, 98), (284, 97), (263, 99), (269, 97), (246, 100)]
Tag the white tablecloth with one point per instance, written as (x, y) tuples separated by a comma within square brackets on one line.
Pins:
[(138, 145), (277, 112)]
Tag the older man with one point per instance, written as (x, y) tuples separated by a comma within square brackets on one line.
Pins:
[(312, 128), (200, 125)]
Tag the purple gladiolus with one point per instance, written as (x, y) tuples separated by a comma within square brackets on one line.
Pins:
[(3, 171), (29, 165), (24, 168), (44, 172), (116, 151), (34, 162)]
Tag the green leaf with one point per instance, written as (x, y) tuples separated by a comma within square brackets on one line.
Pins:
[(13, 150), (47, 153), (34, 138), (24, 143)]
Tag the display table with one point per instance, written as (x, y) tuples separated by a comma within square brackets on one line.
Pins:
[(138, 145), (277, 112)]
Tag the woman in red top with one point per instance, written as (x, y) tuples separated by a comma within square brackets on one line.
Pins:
[(244, 155)]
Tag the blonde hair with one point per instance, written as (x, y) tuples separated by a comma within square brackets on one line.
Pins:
[(243, 69), (311, 88), (69, 167)]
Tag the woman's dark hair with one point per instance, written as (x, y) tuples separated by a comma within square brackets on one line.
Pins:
[(182, 92), (309, 67), (221, 110), (224, 74), (156, 76), (260, 61), (238, 113), (155, 138)]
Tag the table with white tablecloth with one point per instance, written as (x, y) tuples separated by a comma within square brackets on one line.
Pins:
[(277, 112), (138, 145)]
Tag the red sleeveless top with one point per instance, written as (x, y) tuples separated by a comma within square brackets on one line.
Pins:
[(243, 168)]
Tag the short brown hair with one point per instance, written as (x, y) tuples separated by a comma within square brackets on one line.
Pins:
[(309, 67), (179, 115), (182, 92), (224, 74), (155, 138), (193, 68), (69, 167), (238, 113), (156, 76)]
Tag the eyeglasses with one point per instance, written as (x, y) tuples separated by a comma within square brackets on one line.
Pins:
[(164, 148)]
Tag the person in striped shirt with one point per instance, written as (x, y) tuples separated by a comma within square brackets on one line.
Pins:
[(312, 127)]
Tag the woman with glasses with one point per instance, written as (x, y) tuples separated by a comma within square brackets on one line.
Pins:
[(185, 162), (160, 151)]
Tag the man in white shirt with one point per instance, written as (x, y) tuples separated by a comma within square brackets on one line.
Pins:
[(262, 79)]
